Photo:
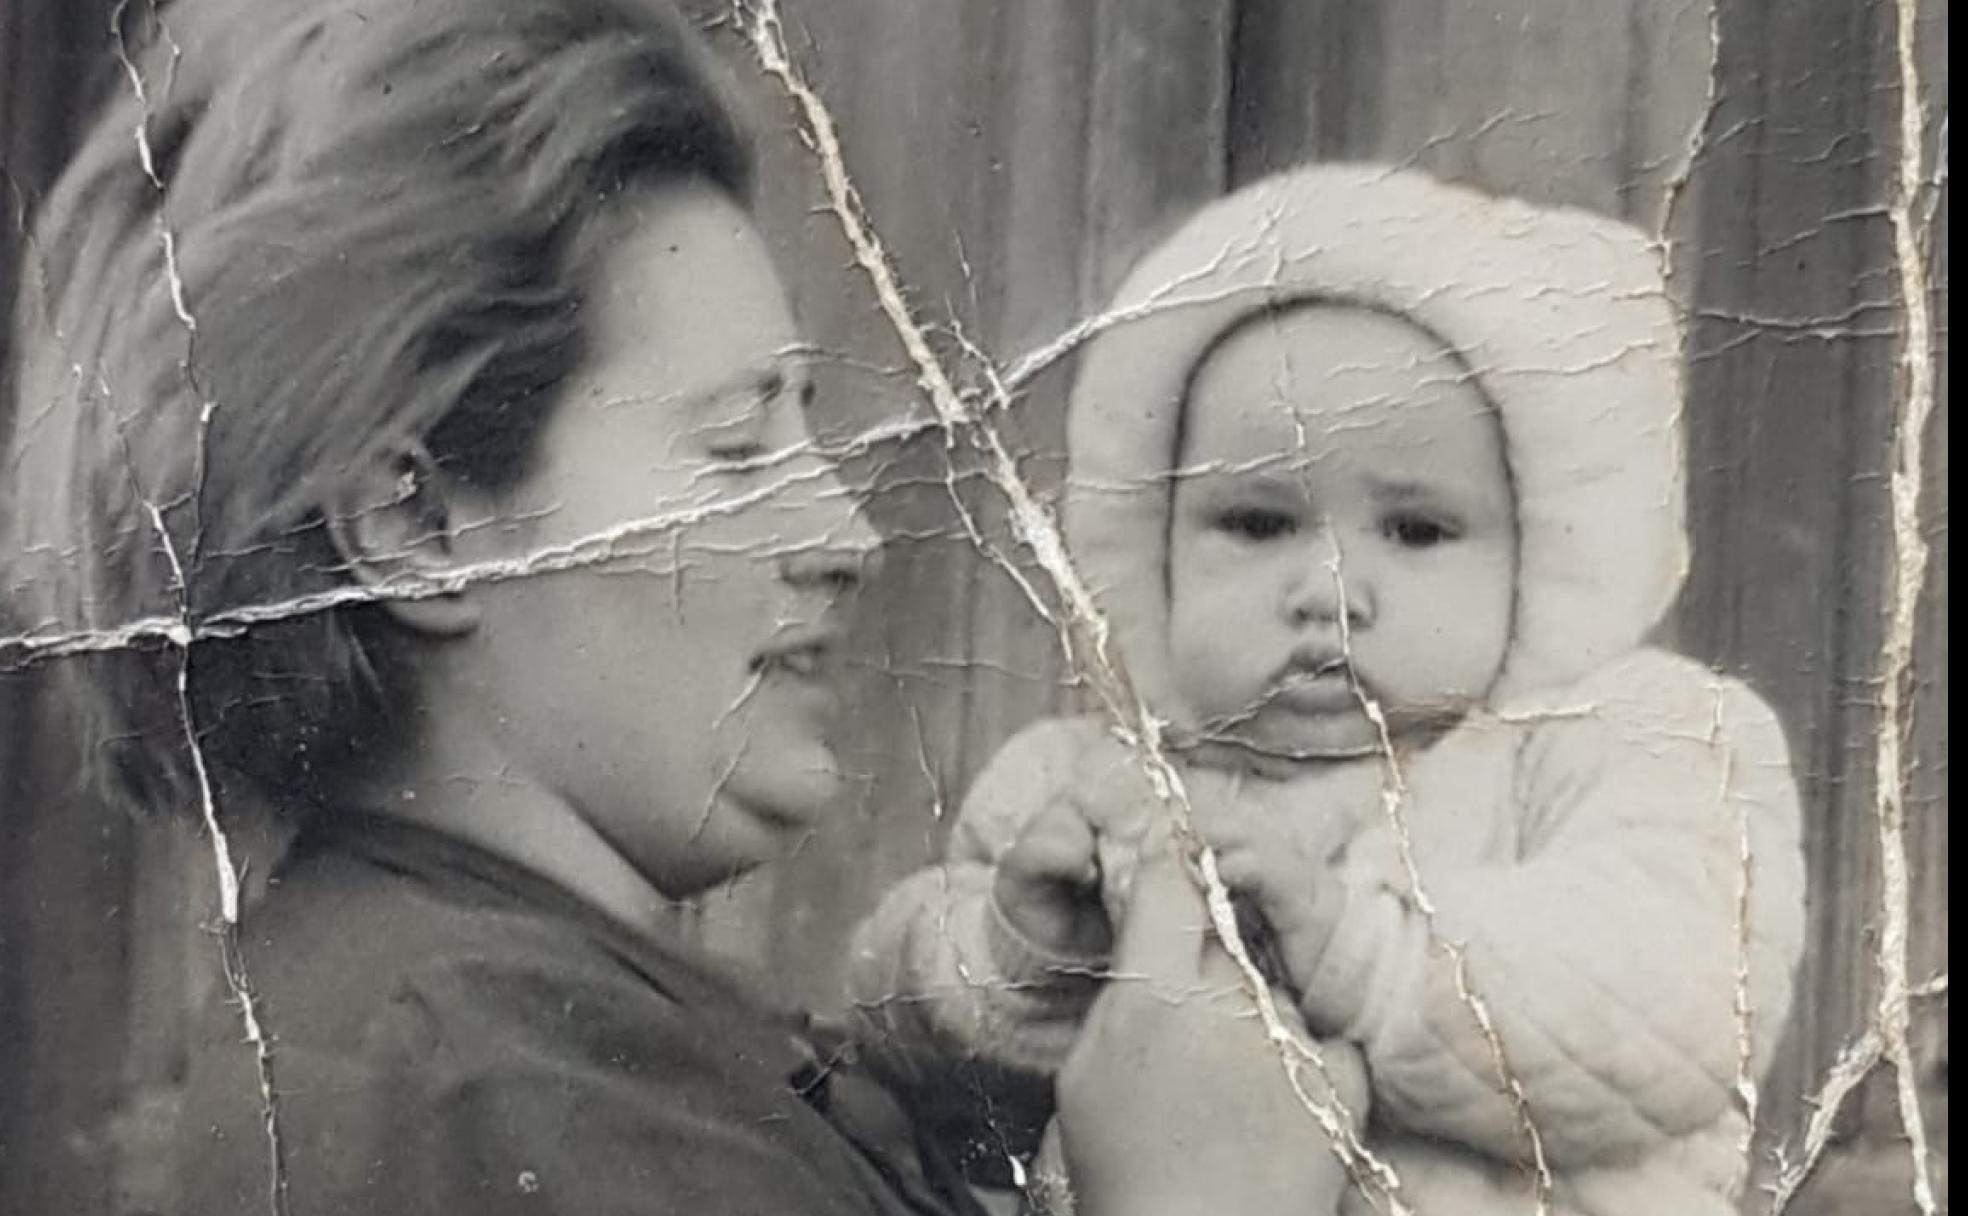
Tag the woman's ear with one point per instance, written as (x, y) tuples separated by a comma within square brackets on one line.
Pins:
[(393, 522)]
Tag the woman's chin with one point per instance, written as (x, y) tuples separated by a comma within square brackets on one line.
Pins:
[(790, 791)]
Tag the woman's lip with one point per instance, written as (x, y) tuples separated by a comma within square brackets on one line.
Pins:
[(785, 817), (817, 692), (805, 654)]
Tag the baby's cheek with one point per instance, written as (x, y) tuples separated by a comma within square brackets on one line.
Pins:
[(1221, 664), (1439, 639), (1481, 585)]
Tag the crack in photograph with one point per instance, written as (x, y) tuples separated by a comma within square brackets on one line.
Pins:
[(973, 607)]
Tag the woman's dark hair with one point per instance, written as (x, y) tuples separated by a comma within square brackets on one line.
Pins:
[(316, 228)]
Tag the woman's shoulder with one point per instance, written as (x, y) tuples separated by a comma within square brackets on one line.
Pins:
[(422, 1038), (463, 973), (355, 1007)]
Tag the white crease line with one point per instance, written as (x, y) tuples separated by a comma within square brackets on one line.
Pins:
[(1034, 525)]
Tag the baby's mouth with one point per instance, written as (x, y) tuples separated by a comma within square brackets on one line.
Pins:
[(1314, 688), (1325, 690), (1316, 667), (1315, 682)]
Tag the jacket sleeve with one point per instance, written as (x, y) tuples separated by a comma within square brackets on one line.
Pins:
[(1659, 872), (936, 971)]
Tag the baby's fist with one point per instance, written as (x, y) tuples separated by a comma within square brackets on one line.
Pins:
[(1285, 872), (1047, 886)]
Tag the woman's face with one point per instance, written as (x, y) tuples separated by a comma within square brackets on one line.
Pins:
[(679, 695)]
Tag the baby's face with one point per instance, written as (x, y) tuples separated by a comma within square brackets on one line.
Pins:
[(1343, 530)]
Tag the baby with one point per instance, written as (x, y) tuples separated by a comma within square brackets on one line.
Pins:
[(1379, 488)]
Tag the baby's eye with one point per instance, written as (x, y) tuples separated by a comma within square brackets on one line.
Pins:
[(1412, 531), (1257, 523)]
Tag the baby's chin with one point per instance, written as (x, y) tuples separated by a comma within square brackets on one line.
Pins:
[(1281, 755), (1280, 746)]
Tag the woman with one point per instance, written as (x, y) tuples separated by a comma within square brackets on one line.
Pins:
[(416, 406)]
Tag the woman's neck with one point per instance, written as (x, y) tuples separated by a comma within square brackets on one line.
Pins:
[(460, 785)]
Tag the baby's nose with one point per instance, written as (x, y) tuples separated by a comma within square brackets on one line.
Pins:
[(1329, 589)]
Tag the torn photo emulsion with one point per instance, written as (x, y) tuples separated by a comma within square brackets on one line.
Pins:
[(973, 606)]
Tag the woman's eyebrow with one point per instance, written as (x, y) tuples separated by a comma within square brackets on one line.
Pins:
[(752, 385)]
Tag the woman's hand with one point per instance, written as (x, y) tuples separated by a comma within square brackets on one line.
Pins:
[(1174, 1100)]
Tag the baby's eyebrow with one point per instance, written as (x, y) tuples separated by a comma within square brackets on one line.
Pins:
[(1440, 493), (1272, 467), (1402, 489)]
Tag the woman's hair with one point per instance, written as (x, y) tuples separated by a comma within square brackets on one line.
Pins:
[(318, 228)]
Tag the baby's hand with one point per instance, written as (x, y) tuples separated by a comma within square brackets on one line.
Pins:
[(1276, 869), (1110, 785), (1048, 884)]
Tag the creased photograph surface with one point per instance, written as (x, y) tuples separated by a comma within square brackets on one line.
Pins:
[(973, 607)]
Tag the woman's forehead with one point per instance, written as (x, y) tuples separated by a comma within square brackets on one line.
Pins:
[(686, 247), (686, 297)]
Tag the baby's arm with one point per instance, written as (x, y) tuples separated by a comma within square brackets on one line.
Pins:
[(940, 970), (1607, 957)]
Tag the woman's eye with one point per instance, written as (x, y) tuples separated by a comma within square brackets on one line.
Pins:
[(1257, 524), (1418, 531), (738, 451)]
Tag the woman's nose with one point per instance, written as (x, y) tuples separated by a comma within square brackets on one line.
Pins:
[(844, 552), (1330, 588)]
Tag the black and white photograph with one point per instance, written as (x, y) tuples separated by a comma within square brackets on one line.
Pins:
[(973, 607)]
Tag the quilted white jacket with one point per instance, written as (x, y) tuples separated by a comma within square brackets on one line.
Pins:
[(1585, 859)]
